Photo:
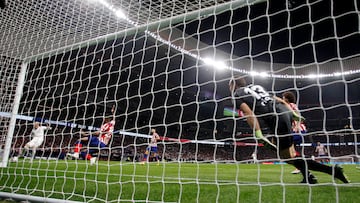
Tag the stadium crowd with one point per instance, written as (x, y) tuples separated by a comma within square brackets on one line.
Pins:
[(60, 141)]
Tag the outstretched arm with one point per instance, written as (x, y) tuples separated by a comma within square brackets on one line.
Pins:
[(113, 111), (296, 113), (285, 103), (48, 127)]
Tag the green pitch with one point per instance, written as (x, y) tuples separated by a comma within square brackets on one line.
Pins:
[(173, 182)]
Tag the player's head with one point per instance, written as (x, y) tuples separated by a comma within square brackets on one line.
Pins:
[(107, 119), (153, 130), (289, 97), (36, 124), (237, 82)]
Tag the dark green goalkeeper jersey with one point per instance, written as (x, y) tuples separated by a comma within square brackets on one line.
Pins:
[(275, 115)]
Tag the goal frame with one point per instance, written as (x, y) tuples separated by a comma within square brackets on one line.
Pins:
[(151, 27)]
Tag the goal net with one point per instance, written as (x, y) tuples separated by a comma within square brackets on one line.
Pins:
[(120, 69)]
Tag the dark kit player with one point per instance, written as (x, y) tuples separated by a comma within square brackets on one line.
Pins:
[(255, 102)]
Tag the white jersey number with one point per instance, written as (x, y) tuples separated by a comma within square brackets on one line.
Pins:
[(259, 93)]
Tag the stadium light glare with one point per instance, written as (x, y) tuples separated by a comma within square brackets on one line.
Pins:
[(337, 74), (216, 64), (253, 73), (105, 3), (312, 76), (264, 74), (120, 14), (208, 61)]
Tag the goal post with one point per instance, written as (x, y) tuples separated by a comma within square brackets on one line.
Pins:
[(20, 78)]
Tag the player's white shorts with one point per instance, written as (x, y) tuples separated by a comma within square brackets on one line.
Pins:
[(35, 142)]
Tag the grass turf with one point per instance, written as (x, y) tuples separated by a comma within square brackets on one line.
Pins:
[(173, 182)]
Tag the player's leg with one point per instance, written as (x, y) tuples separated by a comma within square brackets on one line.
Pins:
[(78, 146), (297, 139), (155, 154), (335, 170), (32, 145), (305, 165), (286, 144), (26, 151), (146, 155), (298, 163), (28, 148), (94, 146), (286, 151), (33, 150)]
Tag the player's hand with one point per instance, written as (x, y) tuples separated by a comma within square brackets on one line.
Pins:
[(267, 143), (297, 117), (113, 109)]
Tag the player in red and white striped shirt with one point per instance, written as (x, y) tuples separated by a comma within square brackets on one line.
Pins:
[(152, 149), (95, 140), (297, 126)]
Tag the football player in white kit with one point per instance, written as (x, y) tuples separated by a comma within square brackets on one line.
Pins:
[(37, 134)]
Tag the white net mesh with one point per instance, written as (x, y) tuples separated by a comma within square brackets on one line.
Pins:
[(10, 69), (166, 65)]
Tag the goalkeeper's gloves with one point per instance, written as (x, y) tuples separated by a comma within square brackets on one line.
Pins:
[(259, 135), (297, 117)]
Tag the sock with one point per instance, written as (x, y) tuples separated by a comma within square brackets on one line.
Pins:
[(88, 156), (78, 147), (85, 155), (145, 157)]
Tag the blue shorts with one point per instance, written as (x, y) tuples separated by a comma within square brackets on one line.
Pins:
[(152, 149), (94, 145), (95, 142), (297, 138)]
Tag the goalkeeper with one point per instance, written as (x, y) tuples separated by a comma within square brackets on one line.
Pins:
[(96, 140), (253, 101)]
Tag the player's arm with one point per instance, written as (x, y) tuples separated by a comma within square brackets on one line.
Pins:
[(278, 99), (296, 114), (48, 127), (113, 112), (254, 123), (157, 137)]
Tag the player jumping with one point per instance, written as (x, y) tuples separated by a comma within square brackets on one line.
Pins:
[(95, 140), (255, 101), (152, 148)]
